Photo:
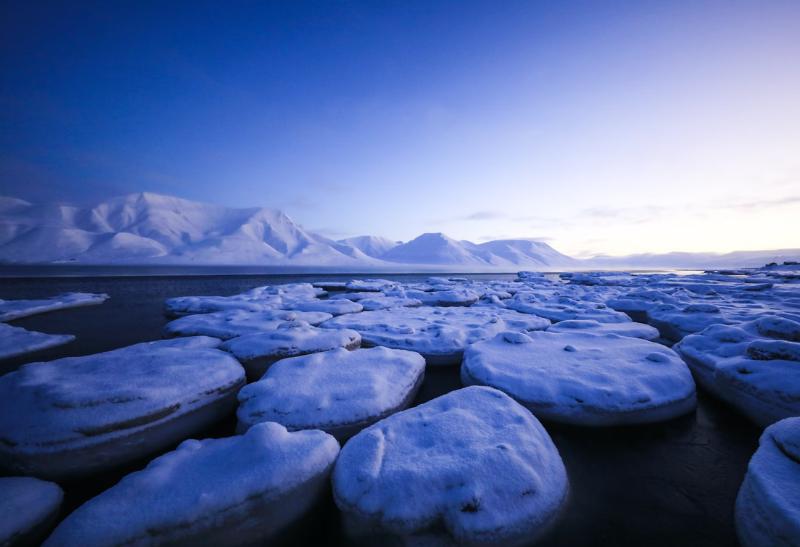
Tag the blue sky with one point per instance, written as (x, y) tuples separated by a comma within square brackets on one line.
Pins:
[(600, 127)]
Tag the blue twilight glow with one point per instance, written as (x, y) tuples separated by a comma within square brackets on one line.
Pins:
[(602, 127)]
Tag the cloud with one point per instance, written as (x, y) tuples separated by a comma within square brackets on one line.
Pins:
[(472, 217), (762, 203), (484, 215), (636, 215)]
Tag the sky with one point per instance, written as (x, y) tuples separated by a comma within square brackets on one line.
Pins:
[(599, 127)]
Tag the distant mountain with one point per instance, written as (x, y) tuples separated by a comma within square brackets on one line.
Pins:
[(374, 246), (433, 249), (736, 259), (150, 228), (437, 248)]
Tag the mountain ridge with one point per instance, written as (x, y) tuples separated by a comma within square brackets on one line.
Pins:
[(152, 229)]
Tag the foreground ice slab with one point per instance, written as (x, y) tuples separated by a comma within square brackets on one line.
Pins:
[(634, 330), (584, 379), (755, 366), (338, 391), (16, 341), (28, 509), (290, 339), (768, 504), (239, 490), (471, 467), (439, 334), (230, 324), (14, 309), (80, 415)]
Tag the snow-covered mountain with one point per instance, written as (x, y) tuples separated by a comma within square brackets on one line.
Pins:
[(699, 261), (437, 248), (374, 246), (155, 229), (151, 228)]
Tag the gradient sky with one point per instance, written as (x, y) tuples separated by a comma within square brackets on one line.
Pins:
[(599, 127)]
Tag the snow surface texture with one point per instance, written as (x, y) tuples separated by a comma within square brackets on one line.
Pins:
[(80, 415), (584, 379), (259, 299), (755, 366), (16, 341), (439, 334), (337, 391), (28, 509), (768, 504), (15, 309), (634, 330), (230, 324), (233, 491), (290, 339), (473, 463)]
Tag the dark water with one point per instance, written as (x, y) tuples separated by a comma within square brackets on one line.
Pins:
[(665, 484)]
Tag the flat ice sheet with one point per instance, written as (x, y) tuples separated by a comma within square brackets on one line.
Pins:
[(336, 391), (206, 491), (473, 459), (584, 379), (439, 334), (15, 341), (14, 309)]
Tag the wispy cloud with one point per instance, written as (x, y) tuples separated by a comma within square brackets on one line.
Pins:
[(762, 203), (472, 217)]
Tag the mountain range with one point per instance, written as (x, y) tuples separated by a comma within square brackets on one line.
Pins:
[(148, 228)]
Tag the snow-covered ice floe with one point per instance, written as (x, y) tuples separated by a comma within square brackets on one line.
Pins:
[(80, 415), (376, 285), (338, 391), (230, 324), (240, 490), (14, 309), (472, 467), (439, 334), (768, 504), (333, 307), (449, 297), (15, 341), (634, 330), (289, 339), (563, 308), (755, 366), (258, 299), (584, 379), (28, 509)]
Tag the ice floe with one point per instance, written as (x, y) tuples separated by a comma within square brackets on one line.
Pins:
[(333, 307), (472, 467), (584, 379), (28, 510), (768, 504), (240, 490), (230, 324), (270, 297), (80, 415), (15, 309), (289, 339), (337, 391), (755, 366), (635, 330), (439, 334), (15, 341)]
